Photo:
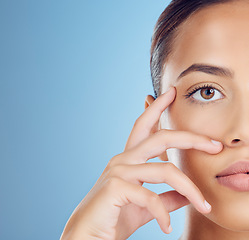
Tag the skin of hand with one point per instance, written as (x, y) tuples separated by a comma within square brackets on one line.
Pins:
[(118, 204)]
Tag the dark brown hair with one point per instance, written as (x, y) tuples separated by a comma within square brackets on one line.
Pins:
[(165, 32)]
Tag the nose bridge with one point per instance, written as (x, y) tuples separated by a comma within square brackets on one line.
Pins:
[(241, 119)]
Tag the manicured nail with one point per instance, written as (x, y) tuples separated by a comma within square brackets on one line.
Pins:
[(207, 205), (216, 142), (170, 229)]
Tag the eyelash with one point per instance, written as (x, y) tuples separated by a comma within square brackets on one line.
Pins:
[(190, 93)]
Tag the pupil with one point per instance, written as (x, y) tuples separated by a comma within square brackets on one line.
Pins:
[(207, 93)]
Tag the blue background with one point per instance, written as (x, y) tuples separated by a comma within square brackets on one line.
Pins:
[(73, 79)]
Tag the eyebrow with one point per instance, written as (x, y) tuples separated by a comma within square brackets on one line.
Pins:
[(209, 69)]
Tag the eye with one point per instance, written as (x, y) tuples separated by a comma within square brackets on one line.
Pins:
[(205, 93)]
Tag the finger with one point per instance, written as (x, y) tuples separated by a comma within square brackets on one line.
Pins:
[(164, 139), (172, 201), (162, 172), (149, 118), (125, 193)]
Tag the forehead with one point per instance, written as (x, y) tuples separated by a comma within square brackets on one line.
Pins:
[(218, 34)]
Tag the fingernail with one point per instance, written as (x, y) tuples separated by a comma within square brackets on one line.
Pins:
[(216, 142), (207, 205), (170, 229)]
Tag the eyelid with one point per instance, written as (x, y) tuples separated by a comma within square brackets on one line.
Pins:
[(199, 87), (209, 83)]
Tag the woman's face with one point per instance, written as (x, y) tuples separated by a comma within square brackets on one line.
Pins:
[(216, 36)]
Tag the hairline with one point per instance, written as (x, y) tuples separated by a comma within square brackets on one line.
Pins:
[(176, 35)]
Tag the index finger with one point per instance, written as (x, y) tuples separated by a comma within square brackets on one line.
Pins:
[(149, 118)]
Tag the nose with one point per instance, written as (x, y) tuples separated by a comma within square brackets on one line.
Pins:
[(239, 131)]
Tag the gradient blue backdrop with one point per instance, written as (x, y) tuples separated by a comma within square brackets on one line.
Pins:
[(73, 79)]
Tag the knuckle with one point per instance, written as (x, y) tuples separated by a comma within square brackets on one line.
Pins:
[(160, 135), (153, 198), (140, 122), (162, 132), (116, 170), (197, 137), (137, 122), (113, 183), (114, 160), (169, 166), (167, 170)]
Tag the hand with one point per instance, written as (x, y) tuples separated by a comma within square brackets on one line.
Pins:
[(118, 204)]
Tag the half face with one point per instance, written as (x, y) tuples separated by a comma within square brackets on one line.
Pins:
[(217, 36)]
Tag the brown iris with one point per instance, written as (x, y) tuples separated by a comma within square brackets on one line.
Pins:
[(207, 93)]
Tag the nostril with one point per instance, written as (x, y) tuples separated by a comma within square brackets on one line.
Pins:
[(236, 140)]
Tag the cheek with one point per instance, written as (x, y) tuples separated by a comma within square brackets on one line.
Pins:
[(193, 117), (200, 167), (214, 120), (204, 120)]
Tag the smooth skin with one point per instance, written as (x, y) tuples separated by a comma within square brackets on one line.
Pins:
[(118, 204), (217, 35)]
